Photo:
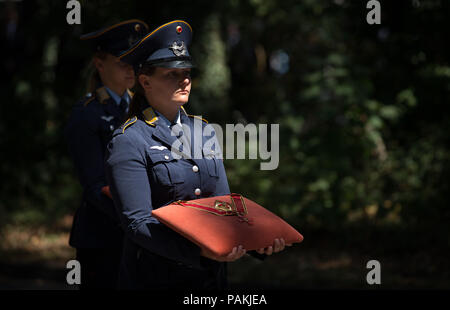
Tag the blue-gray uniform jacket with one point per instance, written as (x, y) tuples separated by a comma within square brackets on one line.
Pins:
[(144, 175), (89, 129)]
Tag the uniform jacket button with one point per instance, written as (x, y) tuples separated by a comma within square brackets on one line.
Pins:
[(197, 191), (195, 168)]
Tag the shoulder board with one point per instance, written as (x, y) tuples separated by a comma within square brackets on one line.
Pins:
[(128, 123)]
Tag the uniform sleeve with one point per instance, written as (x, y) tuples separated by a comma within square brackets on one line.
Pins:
[(86, 150), (126, 171)]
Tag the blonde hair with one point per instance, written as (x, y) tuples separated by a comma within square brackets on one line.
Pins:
[(94, 80)]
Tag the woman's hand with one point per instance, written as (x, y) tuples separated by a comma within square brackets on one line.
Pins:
[(235, 254), (278, 245)]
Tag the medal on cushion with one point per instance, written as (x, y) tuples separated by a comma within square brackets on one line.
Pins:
[(222, 208)]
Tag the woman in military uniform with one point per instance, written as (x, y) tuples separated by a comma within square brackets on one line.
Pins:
[(144, 174), (95, 231)]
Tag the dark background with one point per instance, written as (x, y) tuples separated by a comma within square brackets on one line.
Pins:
[(364, 131)]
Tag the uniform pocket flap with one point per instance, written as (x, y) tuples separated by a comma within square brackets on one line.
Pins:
[(160, 156)]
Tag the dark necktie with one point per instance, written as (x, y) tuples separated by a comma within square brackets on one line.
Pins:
[(123, 108)]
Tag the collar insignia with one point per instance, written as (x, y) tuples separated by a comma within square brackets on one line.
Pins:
[(102, 95), (149, 116)]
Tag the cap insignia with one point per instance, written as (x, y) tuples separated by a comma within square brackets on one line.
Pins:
[(178, 49)]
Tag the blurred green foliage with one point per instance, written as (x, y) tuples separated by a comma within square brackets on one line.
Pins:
[(363, 109)]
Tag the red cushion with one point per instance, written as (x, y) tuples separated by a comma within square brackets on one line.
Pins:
[(223, 222), (105, 191)]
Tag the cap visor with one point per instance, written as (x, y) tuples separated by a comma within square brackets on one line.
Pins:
[(180, 64)]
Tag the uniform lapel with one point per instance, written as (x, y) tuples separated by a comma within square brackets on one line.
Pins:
[(196, 140), (161, 132), (106, 101), (110, 107)]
